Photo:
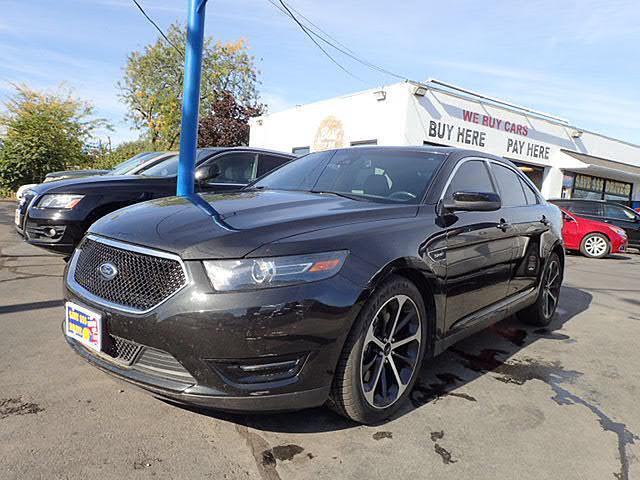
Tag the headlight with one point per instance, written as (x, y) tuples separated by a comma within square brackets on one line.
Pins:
[(59, 201), (619, 231), (254, 273)]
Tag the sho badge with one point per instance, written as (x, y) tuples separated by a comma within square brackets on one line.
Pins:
[(108, 271)]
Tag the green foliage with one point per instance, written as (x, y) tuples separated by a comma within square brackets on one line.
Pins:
[(43, 132), (107, 159), (153, 82)]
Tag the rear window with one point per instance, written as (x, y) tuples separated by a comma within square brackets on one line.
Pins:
[(511, 192), (532, 198), (585, 208)]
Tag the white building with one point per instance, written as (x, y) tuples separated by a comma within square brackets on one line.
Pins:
[(561, 159)]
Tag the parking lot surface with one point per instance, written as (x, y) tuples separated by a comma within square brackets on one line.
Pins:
[(512, 402)]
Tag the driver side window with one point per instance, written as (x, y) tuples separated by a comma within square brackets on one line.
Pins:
[(472, 176), (234, 168)]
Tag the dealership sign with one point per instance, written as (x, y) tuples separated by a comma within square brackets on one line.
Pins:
[(500, 134)]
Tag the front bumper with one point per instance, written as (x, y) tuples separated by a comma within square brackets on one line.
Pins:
[(39, 225), (228, 343)]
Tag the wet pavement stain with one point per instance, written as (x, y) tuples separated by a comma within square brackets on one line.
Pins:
[(285, 453), (517, 336), (262, 454), (15, 406), (423, 394), (444, 453), (439, 449), (381, 435), (553, 374)]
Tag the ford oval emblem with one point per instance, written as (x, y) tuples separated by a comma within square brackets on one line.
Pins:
[(108, 271)]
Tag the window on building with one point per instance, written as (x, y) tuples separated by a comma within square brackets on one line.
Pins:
[(472, 176), (533, 172), (363, 143), (596, 188), (300, 150), (511, 192)]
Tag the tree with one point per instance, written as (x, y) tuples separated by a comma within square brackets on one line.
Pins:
[(43, 132), (107, 158), (153, 82), (227, 125)]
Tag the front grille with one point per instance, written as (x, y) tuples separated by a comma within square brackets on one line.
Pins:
[(147, 360), (122, 350), (142, 280), (162, 364)]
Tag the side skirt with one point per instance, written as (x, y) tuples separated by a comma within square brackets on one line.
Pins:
[(486, 317)]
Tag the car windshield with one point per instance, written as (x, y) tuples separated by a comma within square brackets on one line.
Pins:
[(128, 165), (165, 168), (389, 176)]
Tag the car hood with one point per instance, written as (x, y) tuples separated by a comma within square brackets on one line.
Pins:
[(87, 185), (233, 225), (76, 173)]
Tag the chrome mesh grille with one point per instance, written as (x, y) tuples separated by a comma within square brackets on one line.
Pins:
[(142, 282), (123, 350)]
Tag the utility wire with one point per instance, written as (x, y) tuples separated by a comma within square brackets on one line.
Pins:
[(345, 50), (309, 34), (325, 37), (157, 27)]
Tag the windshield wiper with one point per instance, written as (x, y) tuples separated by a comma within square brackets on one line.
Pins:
[(350, 196)]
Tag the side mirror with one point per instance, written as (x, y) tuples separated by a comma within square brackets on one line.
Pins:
[(207, 172), (472, 202)]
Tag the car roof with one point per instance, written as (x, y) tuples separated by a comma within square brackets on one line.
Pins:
[(444, 150), (211, 150)]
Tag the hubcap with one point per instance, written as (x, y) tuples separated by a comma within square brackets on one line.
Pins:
[(551, 289), (595, 246), (390, 351)]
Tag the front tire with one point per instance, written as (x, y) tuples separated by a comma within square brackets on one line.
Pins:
[(382, 355), (541, 312), (595, 245)]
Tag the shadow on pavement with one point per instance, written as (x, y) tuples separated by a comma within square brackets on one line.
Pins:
[(446, 375), (25, 307)]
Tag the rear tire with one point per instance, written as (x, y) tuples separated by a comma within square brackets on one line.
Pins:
[(595, 245), (382, 355), (541, 312)]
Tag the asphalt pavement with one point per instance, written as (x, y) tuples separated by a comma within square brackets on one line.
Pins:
[(512, 402)]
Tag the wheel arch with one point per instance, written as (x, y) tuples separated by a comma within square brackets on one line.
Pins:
[(425, 281)]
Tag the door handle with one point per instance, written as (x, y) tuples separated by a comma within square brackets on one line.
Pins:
[(503, 225), (545, 221)]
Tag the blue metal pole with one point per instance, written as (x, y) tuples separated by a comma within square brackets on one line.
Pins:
[(191, 98)]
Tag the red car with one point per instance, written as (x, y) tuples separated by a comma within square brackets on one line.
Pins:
[(592, 238)]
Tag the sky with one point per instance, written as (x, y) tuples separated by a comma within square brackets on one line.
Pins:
[(575, 59)]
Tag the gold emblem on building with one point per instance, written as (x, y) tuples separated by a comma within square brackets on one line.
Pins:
[(330, 134)]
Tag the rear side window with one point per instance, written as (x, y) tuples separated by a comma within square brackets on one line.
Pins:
[(619, 213), (532, 198), (472, 176), (585, 208), (266, 163), (511, 192)]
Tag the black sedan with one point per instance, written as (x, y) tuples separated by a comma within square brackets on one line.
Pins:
[(56, 215), (329, 280)]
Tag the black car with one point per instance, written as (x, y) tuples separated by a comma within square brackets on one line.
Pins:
[(327, 281), (56, 215), (608, 212), (119, 169)]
